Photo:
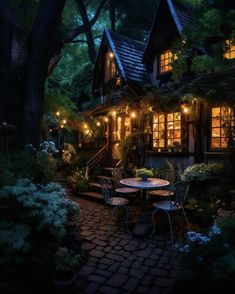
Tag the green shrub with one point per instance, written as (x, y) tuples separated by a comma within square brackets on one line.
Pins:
[(201, 172), (78, 180), (40, 168), (32, 223)]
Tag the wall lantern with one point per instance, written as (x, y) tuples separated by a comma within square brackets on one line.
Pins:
[(133, 115), (118, 81), (185, 108)]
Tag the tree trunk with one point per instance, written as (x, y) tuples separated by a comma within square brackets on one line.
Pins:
[(11, 71), (88, 31), (41, 47)]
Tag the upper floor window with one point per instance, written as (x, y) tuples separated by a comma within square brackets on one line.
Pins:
[(166, 58), (110, 67), (222, 126), (229, 49), (167, 130)]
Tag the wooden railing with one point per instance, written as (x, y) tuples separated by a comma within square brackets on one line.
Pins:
[(96, 159)]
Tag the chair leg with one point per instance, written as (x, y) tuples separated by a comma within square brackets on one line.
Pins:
[(111, 220), (154, 223), (186, 220), (170, 225), (127, 218)]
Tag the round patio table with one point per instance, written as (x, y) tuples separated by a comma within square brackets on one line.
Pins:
[(142, 227)]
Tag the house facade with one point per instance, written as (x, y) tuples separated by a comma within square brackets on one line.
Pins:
[(126, 71)]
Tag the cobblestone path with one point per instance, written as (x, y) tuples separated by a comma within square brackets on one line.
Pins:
[(121, 263)]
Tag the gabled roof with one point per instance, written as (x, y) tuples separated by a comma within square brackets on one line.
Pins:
[(127, 55), (182, 15)]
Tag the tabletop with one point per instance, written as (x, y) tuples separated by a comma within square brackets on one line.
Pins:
[(150, 183)]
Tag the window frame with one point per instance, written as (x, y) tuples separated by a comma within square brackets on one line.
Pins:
[(230, 50), (166, 147), (214, 149), (161, 73)]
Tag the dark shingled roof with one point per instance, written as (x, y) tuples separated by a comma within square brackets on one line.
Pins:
[(128, 54), (182, 15)]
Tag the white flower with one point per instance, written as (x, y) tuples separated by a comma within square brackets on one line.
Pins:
[(214, 231)]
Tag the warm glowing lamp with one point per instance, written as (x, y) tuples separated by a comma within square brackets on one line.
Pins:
[(133, 115), (64, 121), (111, 55), (57, 113), (98, 124)]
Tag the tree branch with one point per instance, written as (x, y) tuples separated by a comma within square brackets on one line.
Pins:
[(98, 11), (77, 41)]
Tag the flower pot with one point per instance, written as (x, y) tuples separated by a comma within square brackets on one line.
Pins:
[(64, 281)]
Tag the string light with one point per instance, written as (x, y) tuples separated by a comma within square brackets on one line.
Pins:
[(85, 126), (57, 113), (62, 126), (98, 124), (114, 113), (106, 119), (64, 121)]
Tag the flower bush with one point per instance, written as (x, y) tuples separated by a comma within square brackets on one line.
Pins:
[(202, 172), (144, 172), (78, 180), (69, 153), (48, 147), (208, 260), (32, 224), (72, 208)]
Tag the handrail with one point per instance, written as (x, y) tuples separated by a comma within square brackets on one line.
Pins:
[(96, 159)]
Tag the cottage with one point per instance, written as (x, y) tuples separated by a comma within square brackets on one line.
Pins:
[(166, 127)]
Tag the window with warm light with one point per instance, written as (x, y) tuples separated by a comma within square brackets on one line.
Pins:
[(229, 49), (166, 58), (222, 123), (121, 127), (110, 67), (167, 130)]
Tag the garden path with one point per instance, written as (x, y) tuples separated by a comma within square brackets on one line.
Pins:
[(121, 263)]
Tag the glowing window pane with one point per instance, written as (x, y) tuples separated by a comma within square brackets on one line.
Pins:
[(165, 60), (222, 126), (229, 50)]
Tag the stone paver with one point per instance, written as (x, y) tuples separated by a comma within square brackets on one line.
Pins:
[(120, 263)]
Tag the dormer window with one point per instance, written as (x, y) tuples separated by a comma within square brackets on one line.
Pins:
[(166, 58), (229, 49)]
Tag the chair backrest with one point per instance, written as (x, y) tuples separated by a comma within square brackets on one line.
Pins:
[(180, 190), (171, 176), (117, 176), (107, 190)]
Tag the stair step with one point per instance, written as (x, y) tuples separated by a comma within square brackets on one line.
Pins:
[(104, 178), (96, 185), (91, 194)]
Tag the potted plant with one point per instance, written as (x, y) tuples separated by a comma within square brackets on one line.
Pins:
[(144, 173), (67, 265)]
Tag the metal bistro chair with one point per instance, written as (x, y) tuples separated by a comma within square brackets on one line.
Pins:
[(121, 190), (171, 176), (180, 191), (114, 203)]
